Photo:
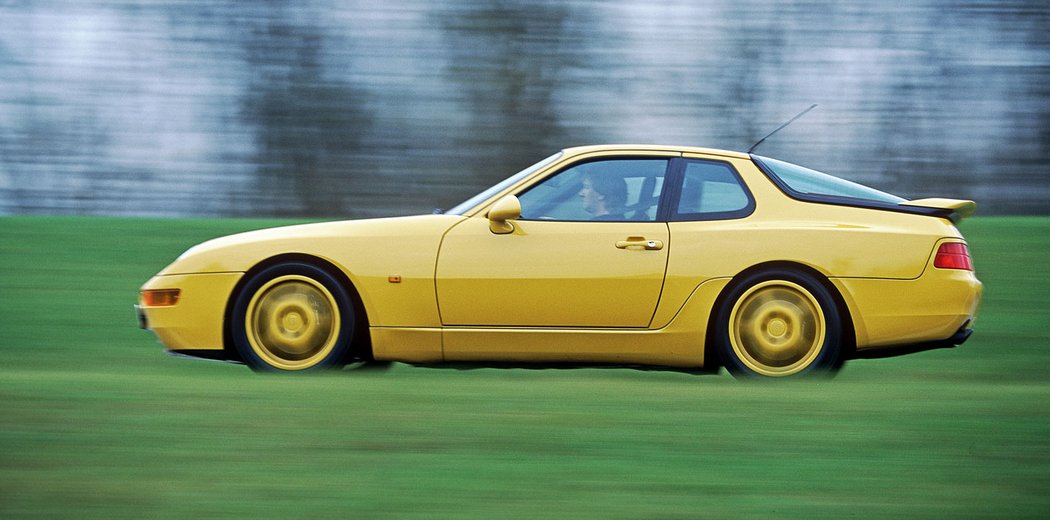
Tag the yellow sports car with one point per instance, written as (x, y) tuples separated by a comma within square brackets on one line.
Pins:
[(651, 255)]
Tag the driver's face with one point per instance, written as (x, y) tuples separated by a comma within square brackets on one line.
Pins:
[(592, 200)]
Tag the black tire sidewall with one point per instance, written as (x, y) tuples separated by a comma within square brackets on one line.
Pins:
[(830, 357), (335, 359)]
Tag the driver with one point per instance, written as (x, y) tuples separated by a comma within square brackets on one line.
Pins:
[(604, 196)]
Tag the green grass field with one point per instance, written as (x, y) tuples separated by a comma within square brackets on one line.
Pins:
[(97, 422)]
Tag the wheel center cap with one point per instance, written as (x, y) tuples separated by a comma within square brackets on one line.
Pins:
[(292, 322), (776, 327)]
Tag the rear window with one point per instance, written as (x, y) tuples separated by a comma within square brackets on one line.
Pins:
[(804, 181)]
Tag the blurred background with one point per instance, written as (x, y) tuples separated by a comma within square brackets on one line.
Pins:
[(325, 108), (350, 109)]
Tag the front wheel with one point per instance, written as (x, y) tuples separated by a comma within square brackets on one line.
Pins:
[(291, 317), (779, 323)]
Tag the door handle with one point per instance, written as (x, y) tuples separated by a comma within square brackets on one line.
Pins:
[(642, 242)]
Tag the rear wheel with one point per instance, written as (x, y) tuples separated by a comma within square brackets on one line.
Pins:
[(779, 323), (292, 317)]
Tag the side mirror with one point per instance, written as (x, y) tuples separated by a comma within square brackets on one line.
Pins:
[(507, 208)]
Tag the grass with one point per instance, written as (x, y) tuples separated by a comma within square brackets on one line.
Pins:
[(98, 423)]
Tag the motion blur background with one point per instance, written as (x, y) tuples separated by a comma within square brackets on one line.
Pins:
[(325, 108), (340, 109)]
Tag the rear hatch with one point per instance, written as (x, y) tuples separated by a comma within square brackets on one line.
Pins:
[(810, 185)]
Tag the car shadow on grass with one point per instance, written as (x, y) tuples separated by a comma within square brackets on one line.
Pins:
[(464, 366)]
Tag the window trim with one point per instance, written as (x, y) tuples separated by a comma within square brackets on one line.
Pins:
[(677, 178)]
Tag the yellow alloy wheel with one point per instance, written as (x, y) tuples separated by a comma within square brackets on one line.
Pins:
[(292, 322), (777, 328)]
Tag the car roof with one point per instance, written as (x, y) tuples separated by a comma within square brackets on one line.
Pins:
[(578, 150)]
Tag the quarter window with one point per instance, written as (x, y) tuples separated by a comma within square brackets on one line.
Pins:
[(712, 190)]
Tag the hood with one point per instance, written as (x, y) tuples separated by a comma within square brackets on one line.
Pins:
[(239, 252)]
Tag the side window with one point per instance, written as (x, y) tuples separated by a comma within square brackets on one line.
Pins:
[(614, 190), (712, 190)]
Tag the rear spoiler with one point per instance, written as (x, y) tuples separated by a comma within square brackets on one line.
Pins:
[(951, 209)]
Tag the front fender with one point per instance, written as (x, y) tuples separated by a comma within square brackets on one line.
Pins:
[(390, 261)]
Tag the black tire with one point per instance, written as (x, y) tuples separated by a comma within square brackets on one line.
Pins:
[(293, 317), (779, 323)]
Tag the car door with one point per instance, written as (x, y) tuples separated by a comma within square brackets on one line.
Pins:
[(588, 251)]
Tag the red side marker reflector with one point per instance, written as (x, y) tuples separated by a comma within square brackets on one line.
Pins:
[(159, 297), (953, 255)]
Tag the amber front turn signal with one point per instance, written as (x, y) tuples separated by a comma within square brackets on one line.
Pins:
[(159, 297)]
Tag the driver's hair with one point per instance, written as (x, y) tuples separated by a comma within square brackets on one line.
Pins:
[(612, 187)]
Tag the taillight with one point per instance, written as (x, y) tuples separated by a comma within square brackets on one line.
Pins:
[(159, 297), (953, 255)]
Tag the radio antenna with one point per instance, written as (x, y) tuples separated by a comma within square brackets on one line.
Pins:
[(781, 127)]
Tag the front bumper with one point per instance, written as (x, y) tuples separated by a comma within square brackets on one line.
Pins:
[(196, 322), (140, 313)]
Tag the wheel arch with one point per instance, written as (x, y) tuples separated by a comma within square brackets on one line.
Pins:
[(849, 335), (361, 342)]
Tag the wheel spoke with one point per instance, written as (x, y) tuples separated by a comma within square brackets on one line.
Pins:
[(776, 328), (292, 322)]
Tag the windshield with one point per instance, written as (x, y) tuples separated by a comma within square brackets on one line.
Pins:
[(805, 181), (481, 197)]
